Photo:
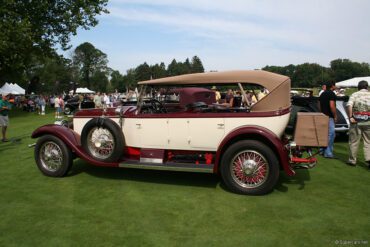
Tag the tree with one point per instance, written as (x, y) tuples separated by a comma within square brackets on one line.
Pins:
[(117, 81), (172, 68), (158, 70), (48, 74), (129, 80), (196, 65), (308, 75), (33, 28), (303, 75), (187, 66), (143, 72), (288, 70), (100, 81), (179, 68), (89, 60), (344, 69), (55, 74)]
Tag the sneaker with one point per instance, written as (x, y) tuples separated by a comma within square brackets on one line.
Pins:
[(350, 163), (4, 140)]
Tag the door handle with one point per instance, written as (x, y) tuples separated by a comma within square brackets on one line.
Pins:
[(220, 126), (138, 126)]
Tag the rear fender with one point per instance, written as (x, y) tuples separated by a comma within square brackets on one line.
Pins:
[(255, 133), (71, 139)]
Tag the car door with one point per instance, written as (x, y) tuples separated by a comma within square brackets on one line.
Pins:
[(205, 133), (178, 133), (152, 131), (131, 131)]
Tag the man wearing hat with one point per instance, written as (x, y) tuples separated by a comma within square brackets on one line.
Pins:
[(4, 119)]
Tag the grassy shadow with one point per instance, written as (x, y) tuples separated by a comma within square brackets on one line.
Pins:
[(176, 178), (299, 178), (147, 176), (14, 142)]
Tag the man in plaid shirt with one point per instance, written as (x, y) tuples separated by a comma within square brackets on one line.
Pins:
[(358, 109)]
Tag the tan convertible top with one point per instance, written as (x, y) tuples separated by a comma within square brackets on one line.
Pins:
[(277, 85), (266, 79)]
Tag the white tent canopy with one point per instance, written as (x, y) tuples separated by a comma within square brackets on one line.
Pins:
[(11, 88), (83, 90), (352, 82), (19, 89)]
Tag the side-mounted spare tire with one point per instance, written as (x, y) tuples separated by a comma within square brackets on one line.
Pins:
[(103, 139)]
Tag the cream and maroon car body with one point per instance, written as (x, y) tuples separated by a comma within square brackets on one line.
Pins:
[(245, 144)]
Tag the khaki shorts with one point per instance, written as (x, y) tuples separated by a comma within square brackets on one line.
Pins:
[(4, 120)]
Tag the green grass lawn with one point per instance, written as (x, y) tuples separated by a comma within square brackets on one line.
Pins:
[(96, 206)]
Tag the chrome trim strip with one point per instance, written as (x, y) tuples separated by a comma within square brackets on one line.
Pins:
[(167, 168), (151, 160)]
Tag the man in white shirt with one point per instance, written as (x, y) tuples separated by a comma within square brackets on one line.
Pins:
[(323, 88), (106, 100), (57, 107)]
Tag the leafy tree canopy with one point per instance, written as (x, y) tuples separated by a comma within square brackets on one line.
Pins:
[(313, 74), (146, 72), (345, 69), (33, 29), (89, 61)]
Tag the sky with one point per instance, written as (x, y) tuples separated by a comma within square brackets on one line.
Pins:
[(231, 34)]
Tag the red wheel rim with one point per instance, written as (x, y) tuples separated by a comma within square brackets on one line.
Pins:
[(249, 169)]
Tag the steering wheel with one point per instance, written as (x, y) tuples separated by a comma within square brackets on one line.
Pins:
[(157, 106)]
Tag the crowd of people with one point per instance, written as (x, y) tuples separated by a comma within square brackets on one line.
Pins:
[(358, 111), (337, 91), (235, 98), (33, 103), (106, 100), (38, 103)]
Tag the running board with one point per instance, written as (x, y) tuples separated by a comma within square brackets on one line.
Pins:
[(169, 166)]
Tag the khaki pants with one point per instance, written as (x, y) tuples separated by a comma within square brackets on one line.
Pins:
[(356, 132)]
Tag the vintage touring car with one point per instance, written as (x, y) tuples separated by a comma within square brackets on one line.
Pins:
[(179, 124)]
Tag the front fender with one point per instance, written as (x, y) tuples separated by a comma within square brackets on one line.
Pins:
[(68, 136), (71, 139), (258, 133)]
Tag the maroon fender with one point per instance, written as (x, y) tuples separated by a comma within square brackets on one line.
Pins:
[(71, 139), (257, 133)]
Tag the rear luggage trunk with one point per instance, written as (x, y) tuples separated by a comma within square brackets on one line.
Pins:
[(311, 129)]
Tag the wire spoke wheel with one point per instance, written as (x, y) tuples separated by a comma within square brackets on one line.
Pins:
[(103, 140), (249, 169), (67, 110), (51, 156), (100, 143)]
